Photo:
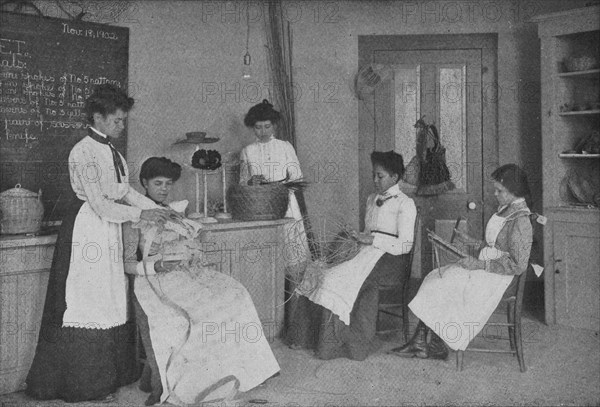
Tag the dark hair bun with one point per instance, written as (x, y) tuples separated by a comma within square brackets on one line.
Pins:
[(391, 161), (159, 167), (260, 113)]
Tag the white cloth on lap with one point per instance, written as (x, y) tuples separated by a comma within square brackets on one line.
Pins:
[(341, 284), (455, 302)]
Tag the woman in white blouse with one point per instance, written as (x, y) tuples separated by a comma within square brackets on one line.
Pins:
[(84, 351), (269, 159), (338, 317)]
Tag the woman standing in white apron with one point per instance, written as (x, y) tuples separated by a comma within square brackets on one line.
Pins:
[(85, 346), (456, 300)]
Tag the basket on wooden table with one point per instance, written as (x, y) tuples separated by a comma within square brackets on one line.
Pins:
[(258, 202), (21, 211)]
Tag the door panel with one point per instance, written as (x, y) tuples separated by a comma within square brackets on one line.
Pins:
[(434, 83)]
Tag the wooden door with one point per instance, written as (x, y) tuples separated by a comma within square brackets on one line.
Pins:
[(438, 85), (452, 83)]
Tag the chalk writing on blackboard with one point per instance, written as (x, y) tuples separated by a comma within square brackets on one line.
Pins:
[(48, 67)]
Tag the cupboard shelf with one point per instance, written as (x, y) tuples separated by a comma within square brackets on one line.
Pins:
[(581, 74), (573, 155), (580, 113)]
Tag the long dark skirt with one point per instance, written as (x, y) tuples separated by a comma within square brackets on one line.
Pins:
[(76, 364), (315, 327)]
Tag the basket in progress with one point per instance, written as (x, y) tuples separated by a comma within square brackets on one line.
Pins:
[(258, 202)]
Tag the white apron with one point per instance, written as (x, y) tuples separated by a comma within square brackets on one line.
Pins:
[(97, 272), (339, 286), (457, 305)]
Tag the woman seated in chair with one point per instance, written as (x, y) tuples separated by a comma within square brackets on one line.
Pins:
[(337, 313), (455, 301), (201, 333)]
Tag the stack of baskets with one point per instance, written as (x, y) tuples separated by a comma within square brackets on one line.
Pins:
[(21, 211), (258, 202)]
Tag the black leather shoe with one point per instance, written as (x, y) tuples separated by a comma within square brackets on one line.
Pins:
[(411, 350), (437, 348), (416, 347)]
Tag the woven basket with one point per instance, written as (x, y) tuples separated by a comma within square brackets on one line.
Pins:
[(21, 211), (258, 202)]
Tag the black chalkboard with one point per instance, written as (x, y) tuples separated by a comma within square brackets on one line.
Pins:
[(48, 68)]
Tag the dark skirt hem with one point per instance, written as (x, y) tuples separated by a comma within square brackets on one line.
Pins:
[(77, 364), (312, 326)]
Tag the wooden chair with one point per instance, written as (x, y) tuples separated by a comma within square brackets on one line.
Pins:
[(399, 309), (514, 303), (514, 306)]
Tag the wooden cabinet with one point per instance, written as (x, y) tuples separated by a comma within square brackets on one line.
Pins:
[(570, 93), (253, 254), (24, 270), (574, 269)]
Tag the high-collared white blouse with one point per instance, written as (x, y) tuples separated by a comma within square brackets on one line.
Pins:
[(275, 160), (93, 180), (392, 223)]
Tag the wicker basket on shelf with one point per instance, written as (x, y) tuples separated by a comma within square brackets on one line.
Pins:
[(21, 211), (258, 202)]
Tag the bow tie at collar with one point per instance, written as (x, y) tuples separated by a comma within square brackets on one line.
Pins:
[(117, 162), (381, 199)]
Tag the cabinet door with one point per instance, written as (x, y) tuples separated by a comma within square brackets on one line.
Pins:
[(252, 257), (257, 270), (576, 278), (24, 275)]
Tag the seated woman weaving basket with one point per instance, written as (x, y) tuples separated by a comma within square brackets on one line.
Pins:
[(337, 311), (200, 329), (455, 301)]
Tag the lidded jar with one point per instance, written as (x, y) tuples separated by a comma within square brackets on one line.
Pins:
[(21, 211)]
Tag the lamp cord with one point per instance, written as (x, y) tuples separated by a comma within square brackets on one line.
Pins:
[(247, 26)]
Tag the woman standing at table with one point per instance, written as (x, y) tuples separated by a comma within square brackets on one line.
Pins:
[(269, 159), (85, 347)]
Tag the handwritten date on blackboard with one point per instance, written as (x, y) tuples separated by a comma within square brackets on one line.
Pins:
[(88, 32)]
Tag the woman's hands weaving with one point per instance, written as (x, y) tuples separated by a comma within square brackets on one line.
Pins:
[(159, 215), (257, 180), (471, 263), (166, 266), (362, 237)]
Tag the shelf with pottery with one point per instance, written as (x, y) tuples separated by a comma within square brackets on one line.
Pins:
[(570, 84)]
